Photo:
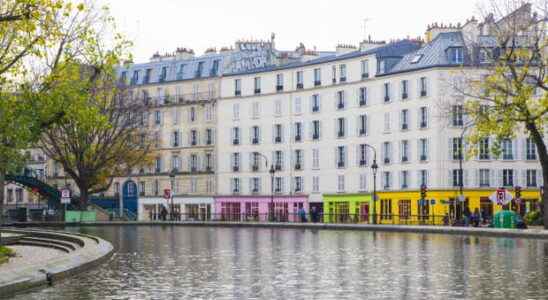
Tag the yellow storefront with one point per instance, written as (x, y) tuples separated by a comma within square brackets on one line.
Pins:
[(406, 207)]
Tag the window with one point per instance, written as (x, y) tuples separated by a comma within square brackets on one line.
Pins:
[(386, 122), (255, 110), (456, 55), (200, 69), (146, 79), (298, 105), (456, 146), (18, 195), (315, 130), (298, 182), (334, 74), (416, 58), (235, 182), (298, 159), (424, 87), (362, 155), (257, 85), (315, 100), (142, 188), (404, 151), (278, 108), (387, 180), (194, 162), (236, 111), (279, 82), (180, 72), (484, 149), (316, 184), (235, 136), (135, 77), (531, 178), (457, 178), (404, 119), (507, 151), (207, 113), (386, 92), (278, 185), (404, 209), (156, 187), (365, 68), (423, 117), (423, 177), (209, 136), (530, 149), (340, 183), (386, 209), (341, 124), (404, 89), (298, 131), (340, 100), (10, 195), (508, 177), (175, 162), (235, 162), (192, 114), (237, 87), (278, 133), (255, 185), (215, 68), (208, 162), (300, 84), (404, 179), (193, 137), (158, 164), (484, 177), (423, 149), (175, 138), (315, 158), (254, 161), (363, 96), (362, 125), (457, 115), (340, 156), (278, 160), (342, 71), (363, 182), (163, 74), (255, 135), (158, 117), (193, 185), (317, 77), (387, 152)]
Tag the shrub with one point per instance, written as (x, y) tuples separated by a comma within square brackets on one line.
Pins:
[(534, 218)]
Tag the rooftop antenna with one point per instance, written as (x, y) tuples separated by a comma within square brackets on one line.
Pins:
[(365, 28)]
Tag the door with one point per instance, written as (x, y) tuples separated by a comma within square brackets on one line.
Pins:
[(364, 212), (486, 209), (129, 196)]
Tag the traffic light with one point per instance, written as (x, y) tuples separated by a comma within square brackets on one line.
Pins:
[(423, 191), (517, 191)]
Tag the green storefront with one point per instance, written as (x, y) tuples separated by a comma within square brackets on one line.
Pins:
[(346, 208)]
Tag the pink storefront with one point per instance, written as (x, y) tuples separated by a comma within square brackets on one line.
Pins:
[(257, 208)]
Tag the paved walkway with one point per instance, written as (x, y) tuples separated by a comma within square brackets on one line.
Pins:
[(28, 256)]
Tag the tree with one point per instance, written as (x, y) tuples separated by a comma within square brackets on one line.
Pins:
[(102, 135), (32, 34), (508, 93)]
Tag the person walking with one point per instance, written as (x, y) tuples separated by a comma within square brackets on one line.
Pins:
[(476, 218), (302, 214)]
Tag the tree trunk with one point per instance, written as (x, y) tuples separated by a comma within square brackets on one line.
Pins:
[(543, 158), (83, 197)]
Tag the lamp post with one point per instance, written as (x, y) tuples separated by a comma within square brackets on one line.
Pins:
[(374, 168), (272, 171), (172, 183), (461, 171)]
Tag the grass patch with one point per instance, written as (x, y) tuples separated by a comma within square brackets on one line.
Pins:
[(5, 254)]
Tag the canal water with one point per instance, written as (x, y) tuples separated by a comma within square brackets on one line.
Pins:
[(257, 263)]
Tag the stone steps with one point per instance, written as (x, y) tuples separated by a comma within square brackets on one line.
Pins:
[(61, 243)]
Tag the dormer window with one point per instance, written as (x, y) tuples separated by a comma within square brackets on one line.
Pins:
[(456, 55), (416, 58)]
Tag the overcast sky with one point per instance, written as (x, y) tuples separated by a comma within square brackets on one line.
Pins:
[(163, 25)]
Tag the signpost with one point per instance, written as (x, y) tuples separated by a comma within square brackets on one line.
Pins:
[(65, 197)]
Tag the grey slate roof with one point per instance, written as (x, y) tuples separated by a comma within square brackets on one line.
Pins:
[(395, 49), (433, 54)]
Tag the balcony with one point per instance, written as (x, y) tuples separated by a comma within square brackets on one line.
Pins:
[(404, 96), (404, 186), (278, 139), (423, 93), (236, 191), (342, 79), (362, 132), (423, 158), (404, 159), (279, 88), (209, 142), (340, 164), (255, 191), (146, 79), (235, 168), (363, 102), (531, 156), (255, 141), (208, 169), (193, 169), (278, 167), (315, 136), (404, 126), (386, 99), (298, 138), (255, 168), (235, 142), (299, 86), (423, 125), (317, 83), (315, 108), (387, 160), (257, 91), (297, 166), (363, 163), (340, 105), (237, 93), (334, 80), (365, 75), (340, 134)]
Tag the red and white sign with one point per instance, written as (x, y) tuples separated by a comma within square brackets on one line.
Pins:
[(65, 193), (167, 194), (501, 197)]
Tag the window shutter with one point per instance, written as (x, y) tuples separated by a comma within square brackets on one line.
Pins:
[(450, 178), (282, 181), (450, 149), (400, 179), (320, 129), (540, 178), (515, 149), (428, 149), (523, 148), (499, 180), (311, 130), (358, 155), (465, 182), (274, 134), (522, 178), (418, 149), (346, 130), (336, 154), (251, 161), (476, 180), (335, 129)]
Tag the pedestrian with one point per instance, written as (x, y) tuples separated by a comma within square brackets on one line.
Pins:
[(476, 218), (163, 214), (520, 223), (302, 214), (466, 215)]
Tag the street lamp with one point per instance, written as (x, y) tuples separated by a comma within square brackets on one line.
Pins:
[(172, 182), (272, 171), (374, 168)]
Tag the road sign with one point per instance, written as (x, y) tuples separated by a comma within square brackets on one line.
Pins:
[(65, 200), (432, 202), (65, 193), (167, 194)]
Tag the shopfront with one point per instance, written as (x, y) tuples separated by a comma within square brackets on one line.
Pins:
[(347, 208), (258, 208)]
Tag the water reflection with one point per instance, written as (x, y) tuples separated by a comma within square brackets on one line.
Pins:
[(244, 263)]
